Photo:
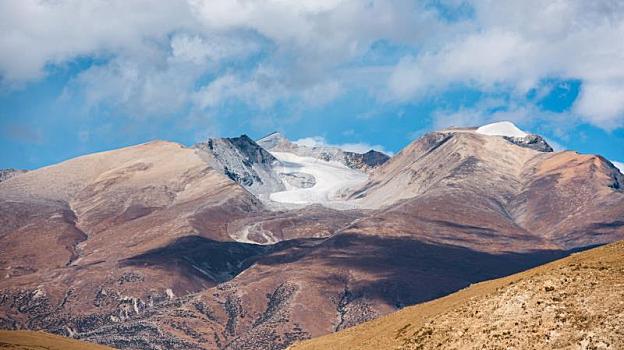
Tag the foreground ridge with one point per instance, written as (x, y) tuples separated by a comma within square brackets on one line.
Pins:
[(29, 340), (575, 301)]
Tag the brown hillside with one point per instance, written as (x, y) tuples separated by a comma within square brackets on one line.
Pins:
[(29, 340), (151, 247), (572, 303)]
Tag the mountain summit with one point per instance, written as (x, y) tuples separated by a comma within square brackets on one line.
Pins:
[(242, 244), (513, 134), (276, 142), (503, 128)]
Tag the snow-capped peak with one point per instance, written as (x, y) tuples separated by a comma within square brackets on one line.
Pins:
[(314, 172), (503, 128), (619, 165)]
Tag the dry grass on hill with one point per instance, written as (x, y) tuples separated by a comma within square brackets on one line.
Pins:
[(30, 340), (573, 303)]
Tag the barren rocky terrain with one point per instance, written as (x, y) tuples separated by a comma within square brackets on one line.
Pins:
[(572, 303), (6, 174), (157, 246)]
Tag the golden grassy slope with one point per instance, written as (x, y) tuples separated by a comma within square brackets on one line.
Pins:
[(573, 303), (30, 340)]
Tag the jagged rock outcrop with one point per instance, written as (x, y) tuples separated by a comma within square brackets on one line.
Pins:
[(156, 246), (365, 161), (276, 142), (535, 142), (243, 161)]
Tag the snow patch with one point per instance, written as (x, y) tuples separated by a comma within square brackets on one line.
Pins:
[(332, 178), (243, 235), (169, 293), (619, 165), (501, 129)]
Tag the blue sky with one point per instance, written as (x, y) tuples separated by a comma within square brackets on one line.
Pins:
[(81, 77)]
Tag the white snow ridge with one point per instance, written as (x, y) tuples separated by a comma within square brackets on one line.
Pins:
[(501, 129)]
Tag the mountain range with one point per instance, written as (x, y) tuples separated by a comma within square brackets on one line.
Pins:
[(239, 244)]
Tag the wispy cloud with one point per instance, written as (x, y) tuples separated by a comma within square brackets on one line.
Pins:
[(520, 43)]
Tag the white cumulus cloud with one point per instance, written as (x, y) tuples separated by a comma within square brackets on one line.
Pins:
[(516, 44), (156, 57)]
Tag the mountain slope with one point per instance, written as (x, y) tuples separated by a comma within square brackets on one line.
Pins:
[(129, 234), (131, 199), (156, 246), (302, 289), (112, 232), (6, 174), (574, 302), (276, 142), (27, 340), (484, 184), (243, 161)]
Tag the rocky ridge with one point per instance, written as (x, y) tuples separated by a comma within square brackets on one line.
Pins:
[(276, 142), (243, 161), (157, 245)]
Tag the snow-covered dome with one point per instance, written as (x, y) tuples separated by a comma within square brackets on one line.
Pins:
[(504, 128)]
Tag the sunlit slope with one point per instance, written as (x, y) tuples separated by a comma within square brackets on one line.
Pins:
[(29, 340), (575, 302)]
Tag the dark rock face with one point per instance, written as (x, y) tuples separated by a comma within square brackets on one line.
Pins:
[(251, 150), (243, 161), (535, 142), (374, 158), (365, 161)]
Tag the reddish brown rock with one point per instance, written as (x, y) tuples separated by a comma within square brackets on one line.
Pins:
[(149, 247)]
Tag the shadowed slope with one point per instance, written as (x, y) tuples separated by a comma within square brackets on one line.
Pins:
[(575, 301), (66, 228), (140, 253)]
